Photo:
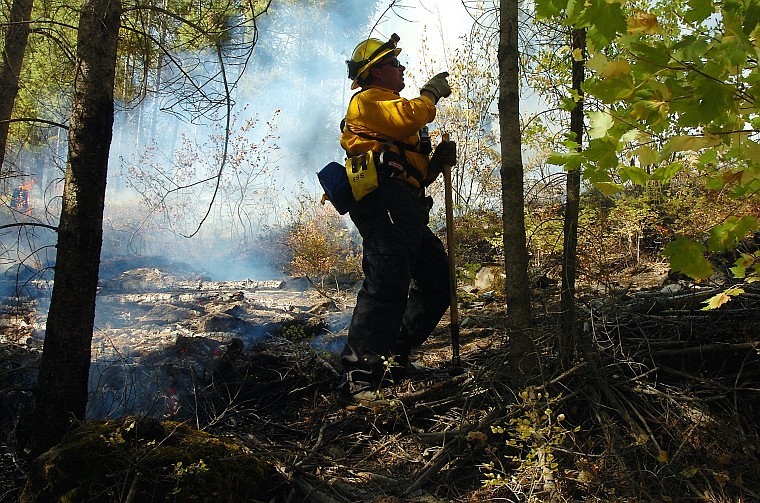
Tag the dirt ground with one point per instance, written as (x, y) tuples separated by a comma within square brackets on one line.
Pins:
[(660, 404)]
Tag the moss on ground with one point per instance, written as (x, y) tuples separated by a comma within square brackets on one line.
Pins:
[(142, 459)]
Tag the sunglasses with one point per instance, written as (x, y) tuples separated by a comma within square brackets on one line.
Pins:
[(391, 62)]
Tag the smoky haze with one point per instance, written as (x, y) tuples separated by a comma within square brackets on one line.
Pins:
[(287, 107)]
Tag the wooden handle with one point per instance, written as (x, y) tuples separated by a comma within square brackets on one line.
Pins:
[(453, 307)]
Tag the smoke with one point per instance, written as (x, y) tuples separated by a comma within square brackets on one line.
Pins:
[(285, 126), (166, 154)]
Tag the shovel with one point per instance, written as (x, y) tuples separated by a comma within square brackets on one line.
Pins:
[(456, 363)]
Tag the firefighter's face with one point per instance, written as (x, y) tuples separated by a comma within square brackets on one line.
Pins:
[(389, 73)]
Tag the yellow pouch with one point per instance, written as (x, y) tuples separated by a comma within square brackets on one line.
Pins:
[(362, 174)]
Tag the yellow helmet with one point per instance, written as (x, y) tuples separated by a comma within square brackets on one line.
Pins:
[(368, 53)]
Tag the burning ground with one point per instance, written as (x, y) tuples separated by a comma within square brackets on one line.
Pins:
[(662, 407)]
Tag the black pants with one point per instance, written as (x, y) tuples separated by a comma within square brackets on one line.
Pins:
[(406, 278)]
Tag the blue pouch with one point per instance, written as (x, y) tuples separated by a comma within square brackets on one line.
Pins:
[(334, 181)]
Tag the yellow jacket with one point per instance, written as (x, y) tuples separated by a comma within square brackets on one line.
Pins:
[(383, 114)]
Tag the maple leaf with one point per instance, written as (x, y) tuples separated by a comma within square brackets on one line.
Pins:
[(688, 257), (643, 22)]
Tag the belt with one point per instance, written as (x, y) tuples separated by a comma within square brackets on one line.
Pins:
[(400, 178)]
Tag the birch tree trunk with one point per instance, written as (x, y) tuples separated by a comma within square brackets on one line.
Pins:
[(64, 370)]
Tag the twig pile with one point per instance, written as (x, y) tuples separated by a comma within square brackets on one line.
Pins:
[(658, 407)]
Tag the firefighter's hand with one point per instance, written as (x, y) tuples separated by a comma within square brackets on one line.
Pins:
[(445, 155), (438, 86)]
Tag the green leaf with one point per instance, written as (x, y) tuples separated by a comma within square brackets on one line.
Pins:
[(653, 55), (602, 152), (738, 272), (717, 182), (698, 10), (727, 235), (604, 19), (550, 8), (570, 160), (568, 104), (608, 188), (687, 256), (611, 90), (708, 158), (687, 142), (718, 300), (634, 174), (647, 155), (666, 173), (600, 123), (751, 17)]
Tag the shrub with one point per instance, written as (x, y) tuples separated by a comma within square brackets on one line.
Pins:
[(322, 247)]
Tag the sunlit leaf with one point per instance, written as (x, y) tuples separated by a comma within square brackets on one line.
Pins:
[(608, 188), (634, 174), (597, 62), (600, 122), (738, 271), (727, 235), (716, 301), (630, 136), (666, 173), (687, 142), (615, 69), (643, 22), (687, 256), (647, 155), (570, 160)]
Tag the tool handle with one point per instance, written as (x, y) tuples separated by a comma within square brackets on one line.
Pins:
[(453, 303)]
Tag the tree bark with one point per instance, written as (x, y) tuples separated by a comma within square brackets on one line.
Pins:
[(522, 352), (10, 71), (568, 343), (64, 370)]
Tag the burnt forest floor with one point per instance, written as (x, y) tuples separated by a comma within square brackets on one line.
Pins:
[(661, 404)]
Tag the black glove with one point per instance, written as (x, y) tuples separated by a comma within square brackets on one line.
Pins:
[(445, 154), (438, 86)]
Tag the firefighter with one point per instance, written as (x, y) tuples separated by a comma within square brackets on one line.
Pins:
[(405, 291)]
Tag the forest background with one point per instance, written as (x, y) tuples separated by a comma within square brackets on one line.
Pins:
[(648, 108)]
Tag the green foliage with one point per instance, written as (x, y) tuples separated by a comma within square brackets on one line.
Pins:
[(673, 82), (534, 438), (687, 256)]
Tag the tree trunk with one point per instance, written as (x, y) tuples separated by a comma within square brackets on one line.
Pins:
[(522, 353), (567, 343), (64, 369), (12, 58)]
